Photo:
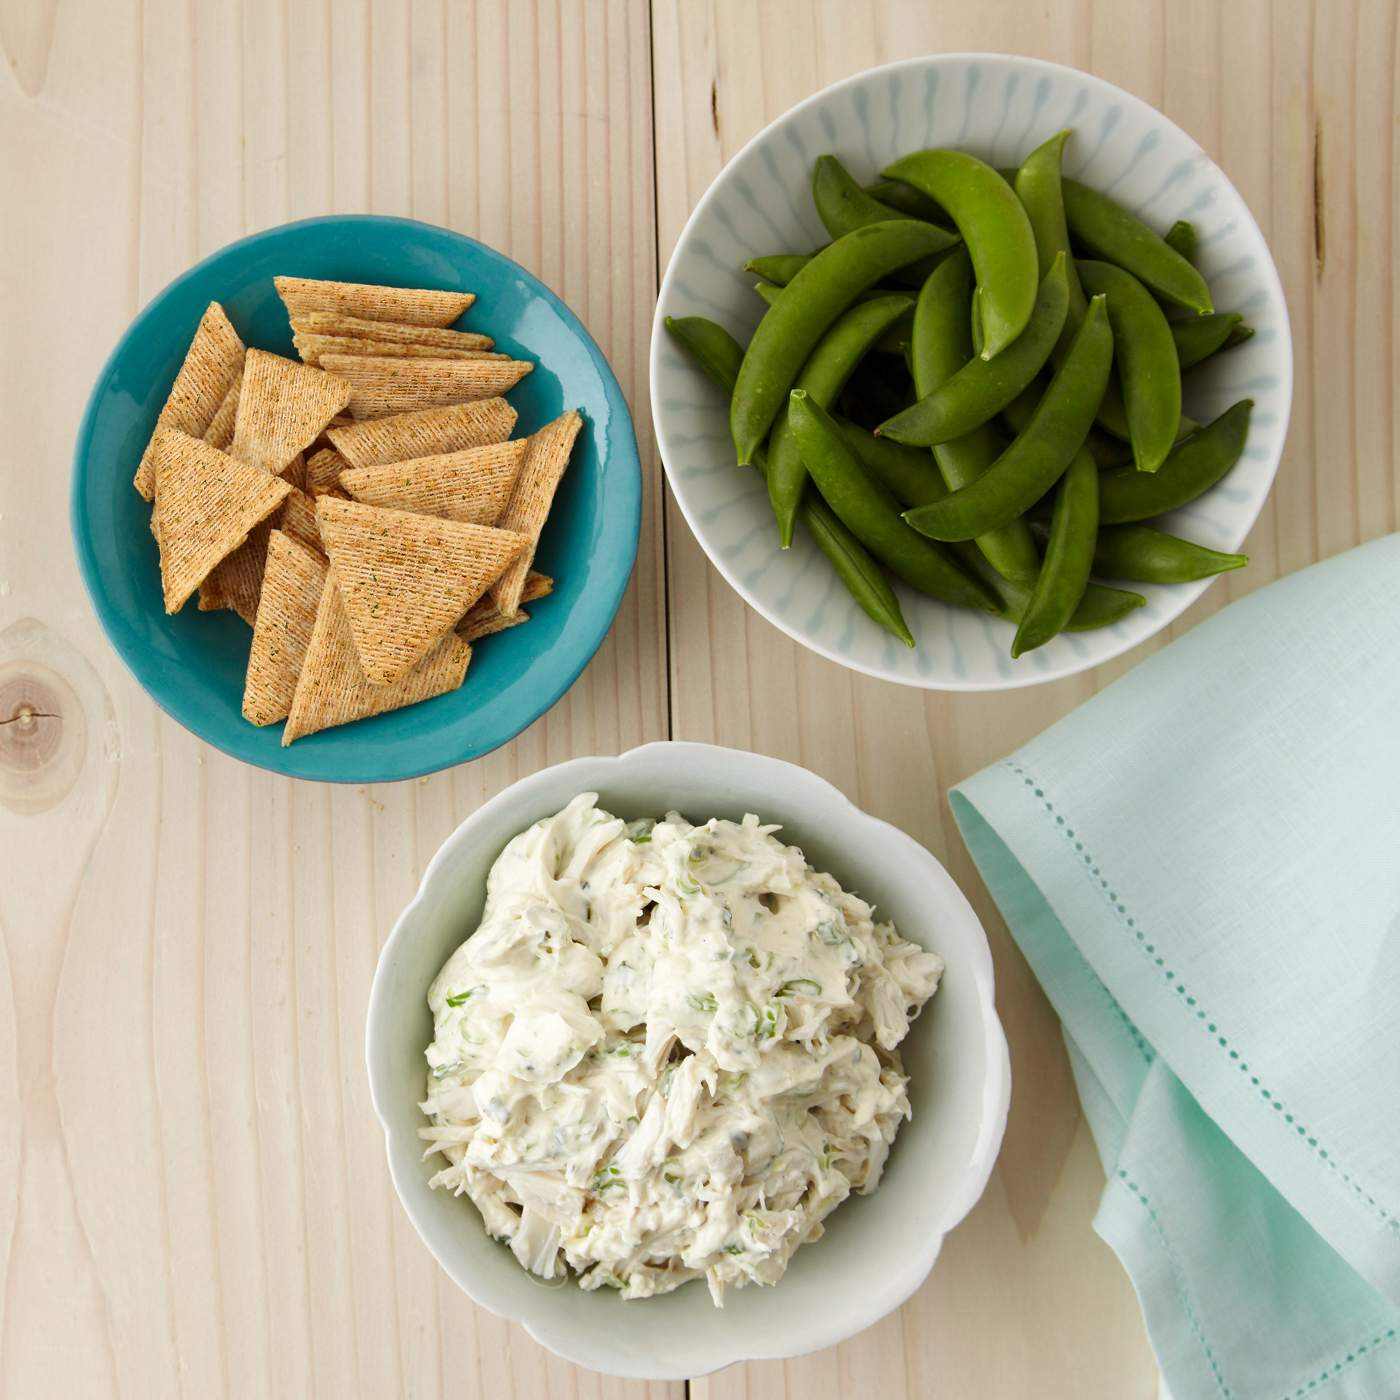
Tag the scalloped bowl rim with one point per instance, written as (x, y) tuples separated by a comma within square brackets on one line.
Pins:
[(1186, 593), (894, 1287)]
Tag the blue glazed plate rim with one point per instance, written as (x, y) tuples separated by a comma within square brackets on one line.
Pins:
[(616, 544)]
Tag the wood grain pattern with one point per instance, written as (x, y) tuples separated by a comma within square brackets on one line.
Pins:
[(192, 1192), (192, 1189), (1026, 1300)]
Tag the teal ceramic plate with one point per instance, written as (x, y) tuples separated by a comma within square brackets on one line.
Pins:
[(192, 664)]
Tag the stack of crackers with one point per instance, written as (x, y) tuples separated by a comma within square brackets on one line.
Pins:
[(365, 511)]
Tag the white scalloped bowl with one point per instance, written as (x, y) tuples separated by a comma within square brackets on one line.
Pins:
[(1000, 107), (877, 1249)]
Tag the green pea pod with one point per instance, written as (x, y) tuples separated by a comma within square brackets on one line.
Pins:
[(1193, 467), (1145, 355), (719, 355), (1181, 238), (867, 511), (824, 375), (909, 201), (814, 298), (710, 346), (939, 349), (978, 391), (779, 268), (1238, 335), (771, 292), (996, 230), (1112, 416), (1040, 454), (1141, 554), (908, 474), (1109, 231), (843, 207), (1069, 552), (1106, 451), (1101, 606), (1037, 185), (1199, 337)]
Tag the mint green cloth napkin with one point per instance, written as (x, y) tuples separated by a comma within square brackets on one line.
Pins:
[(1202, 866)]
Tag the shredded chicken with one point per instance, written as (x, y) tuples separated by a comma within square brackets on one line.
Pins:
[(668, 1051)]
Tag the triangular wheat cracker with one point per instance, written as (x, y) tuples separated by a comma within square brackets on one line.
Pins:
[(292, 585), (211, 364), (406, 578), (384, 385), (209, 503), (411, 305), (311, 346), (531, 499), (484, 617), (332, 688), (236, 581), (219, 433), (282, 408), (473, 485), (427, 432), (333, 323), (485, 620), (298, 519), (323, 469)]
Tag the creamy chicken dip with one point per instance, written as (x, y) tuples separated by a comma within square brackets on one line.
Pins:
[(668, 1051)]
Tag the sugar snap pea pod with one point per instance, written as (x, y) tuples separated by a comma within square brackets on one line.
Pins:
[(843, 207), (1181, 238), (1112, 416), (778, 268), (868, 512), (855, 566), (1101, 606), (939, 350), (974, 322), (1141, 554), (1145, 356), (996, 230), (1106, 451), (710, 346), (814, 298), (978, 391), (1238, 335), (1109, 231), (908, 474), (909, 201), (1192, 468), (1199, 337), (1037, 186), (891, 342), (719, 355), (771, 292), (894, 340), (824, 375), (1040, 454), (1069, 552)]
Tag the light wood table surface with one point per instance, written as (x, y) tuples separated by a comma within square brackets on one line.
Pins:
[(193, 1197)]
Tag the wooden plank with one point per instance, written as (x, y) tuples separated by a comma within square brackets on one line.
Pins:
[(192, 1193), (1026, 1300), (193, 1197)]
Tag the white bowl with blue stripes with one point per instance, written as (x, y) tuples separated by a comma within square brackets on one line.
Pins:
[(1000, 107)]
